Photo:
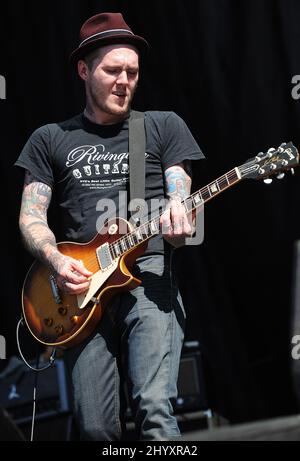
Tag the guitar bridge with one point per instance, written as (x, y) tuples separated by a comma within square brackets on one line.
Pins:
[(95, 300), (54, 289)]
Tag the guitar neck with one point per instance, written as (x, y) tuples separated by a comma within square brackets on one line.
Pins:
[(151, 228), (205, 194)]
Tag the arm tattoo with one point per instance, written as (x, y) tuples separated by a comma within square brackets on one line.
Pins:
[(178, 183), (36, 234), (36, 198)]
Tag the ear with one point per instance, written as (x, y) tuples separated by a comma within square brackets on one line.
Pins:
[(82, 69)]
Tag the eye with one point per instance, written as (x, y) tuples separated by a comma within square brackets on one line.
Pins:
[(132, 73), (112, 71)]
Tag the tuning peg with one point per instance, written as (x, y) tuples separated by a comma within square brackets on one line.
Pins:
[(268, 180), (280, 175), (273, 166), (259, 156), (270, 152), (292, 171)]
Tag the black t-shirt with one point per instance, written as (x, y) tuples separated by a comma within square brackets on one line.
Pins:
[(86, 166)]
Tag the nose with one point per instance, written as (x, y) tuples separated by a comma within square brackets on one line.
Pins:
[(122, 77)]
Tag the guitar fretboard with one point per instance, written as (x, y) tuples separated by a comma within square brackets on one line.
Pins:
[(147, 230)]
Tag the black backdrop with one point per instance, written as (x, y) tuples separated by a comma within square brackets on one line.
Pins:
[(226, 67)]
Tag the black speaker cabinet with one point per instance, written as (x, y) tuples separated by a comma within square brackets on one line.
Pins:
[(192, 395), (16, 391)]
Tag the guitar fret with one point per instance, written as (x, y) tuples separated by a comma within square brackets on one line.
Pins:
[(134, 238), (149, 231), (127, 242), (143, 231), (196, 199), (153, 227), (117, 249), (112, 252), (222, 182), (205, 192), (227, 180), (232, 176), (139, 235), (131, 242), (123, 244), (186, 203), (214, 187)]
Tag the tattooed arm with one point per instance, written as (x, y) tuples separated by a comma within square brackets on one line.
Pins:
[(174, 221), (40, 240)]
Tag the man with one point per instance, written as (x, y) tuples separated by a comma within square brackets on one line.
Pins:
[(83, 161)]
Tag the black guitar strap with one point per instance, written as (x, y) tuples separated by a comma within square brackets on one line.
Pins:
[(137, 149)]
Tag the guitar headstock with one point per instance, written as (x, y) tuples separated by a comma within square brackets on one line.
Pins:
[(273, 162)]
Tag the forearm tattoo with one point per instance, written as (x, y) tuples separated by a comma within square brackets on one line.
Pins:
[(178, 183), (36, 234)]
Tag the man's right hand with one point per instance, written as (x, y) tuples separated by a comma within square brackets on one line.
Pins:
[(71, 275)]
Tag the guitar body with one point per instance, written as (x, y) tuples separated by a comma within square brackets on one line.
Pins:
[(61, 320)]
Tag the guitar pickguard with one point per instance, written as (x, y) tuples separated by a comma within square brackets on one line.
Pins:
[(97, 281)]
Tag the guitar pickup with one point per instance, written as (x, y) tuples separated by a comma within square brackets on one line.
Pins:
[(104, 256), (55, 290)]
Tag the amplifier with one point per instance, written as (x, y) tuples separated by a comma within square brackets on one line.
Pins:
[(16, 391), (192, 395)]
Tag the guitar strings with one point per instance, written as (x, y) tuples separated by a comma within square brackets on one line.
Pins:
[(229, 178), (129, 239)]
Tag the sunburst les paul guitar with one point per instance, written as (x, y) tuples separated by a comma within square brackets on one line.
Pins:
[(61, 320)]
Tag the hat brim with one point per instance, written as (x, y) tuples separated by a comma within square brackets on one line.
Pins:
[(138, 42)]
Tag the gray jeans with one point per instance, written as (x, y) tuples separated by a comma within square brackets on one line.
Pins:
[(138, 341)]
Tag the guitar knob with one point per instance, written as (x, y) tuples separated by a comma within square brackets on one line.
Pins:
[(62, 310), (48, 322), (280, 175), (268, 180), (59, 329)]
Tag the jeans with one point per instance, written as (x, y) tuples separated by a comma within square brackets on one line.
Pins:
[(139, 341)]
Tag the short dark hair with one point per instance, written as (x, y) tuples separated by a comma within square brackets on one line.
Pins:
[(90, 58)]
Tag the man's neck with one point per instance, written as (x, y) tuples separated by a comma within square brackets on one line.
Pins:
[(107, 119)]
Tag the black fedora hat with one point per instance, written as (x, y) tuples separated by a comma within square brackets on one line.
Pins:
[(106, 29)]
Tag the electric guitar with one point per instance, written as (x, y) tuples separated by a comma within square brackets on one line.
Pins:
[(61, 320)]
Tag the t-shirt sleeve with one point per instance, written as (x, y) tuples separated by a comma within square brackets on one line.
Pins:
[(36, 156), (178, 142)]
